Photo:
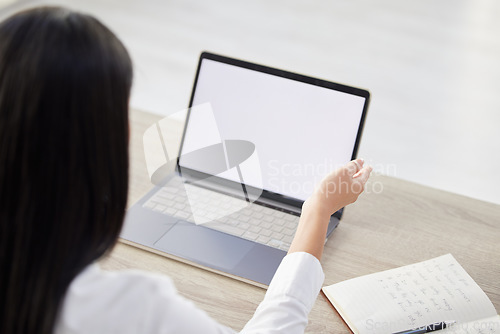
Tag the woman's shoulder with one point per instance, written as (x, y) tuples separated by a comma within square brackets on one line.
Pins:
[(98, 301), (130, 301)]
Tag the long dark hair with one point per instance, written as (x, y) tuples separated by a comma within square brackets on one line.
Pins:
[(64, 88)]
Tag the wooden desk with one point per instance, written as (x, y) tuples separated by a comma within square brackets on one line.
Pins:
[(402, 224)]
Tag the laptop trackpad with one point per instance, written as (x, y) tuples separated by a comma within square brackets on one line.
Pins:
[(204, 246)]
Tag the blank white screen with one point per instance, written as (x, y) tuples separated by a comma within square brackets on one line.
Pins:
[(300, 131)]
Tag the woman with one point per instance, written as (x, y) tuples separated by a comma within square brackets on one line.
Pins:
[(64, 88)]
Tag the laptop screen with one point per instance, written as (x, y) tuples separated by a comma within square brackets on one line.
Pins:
[(269, 129)]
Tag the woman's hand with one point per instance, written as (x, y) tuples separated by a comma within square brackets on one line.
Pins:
[(338, 189)]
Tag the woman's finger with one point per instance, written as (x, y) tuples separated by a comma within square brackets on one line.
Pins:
[(354, 166), (363, 174)]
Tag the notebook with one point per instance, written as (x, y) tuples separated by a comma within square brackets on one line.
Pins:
[(414, 296), (256, 140)]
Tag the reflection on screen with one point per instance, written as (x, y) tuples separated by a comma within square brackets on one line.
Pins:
[(300, 131)]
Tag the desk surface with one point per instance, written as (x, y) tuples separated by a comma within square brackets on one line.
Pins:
[(396, 223)]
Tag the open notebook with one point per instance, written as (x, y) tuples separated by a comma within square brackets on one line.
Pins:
[(414, 296)]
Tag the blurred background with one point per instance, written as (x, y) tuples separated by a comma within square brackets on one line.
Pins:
[(432, 67)]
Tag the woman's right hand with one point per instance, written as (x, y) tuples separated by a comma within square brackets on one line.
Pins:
[(340, 188)]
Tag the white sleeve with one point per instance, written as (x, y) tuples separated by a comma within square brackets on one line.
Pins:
[(290, 296), (136, 302), (285, 308)]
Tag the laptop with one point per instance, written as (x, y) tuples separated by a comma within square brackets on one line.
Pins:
[(256, 141)]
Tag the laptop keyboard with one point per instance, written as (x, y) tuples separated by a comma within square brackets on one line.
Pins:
[(225, 213)]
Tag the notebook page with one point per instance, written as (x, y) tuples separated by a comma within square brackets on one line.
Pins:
[(411, 296)]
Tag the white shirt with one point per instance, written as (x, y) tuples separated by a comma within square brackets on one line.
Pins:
[(138, 302)]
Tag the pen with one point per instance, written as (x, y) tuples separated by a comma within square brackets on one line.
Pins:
[(427, 329)]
